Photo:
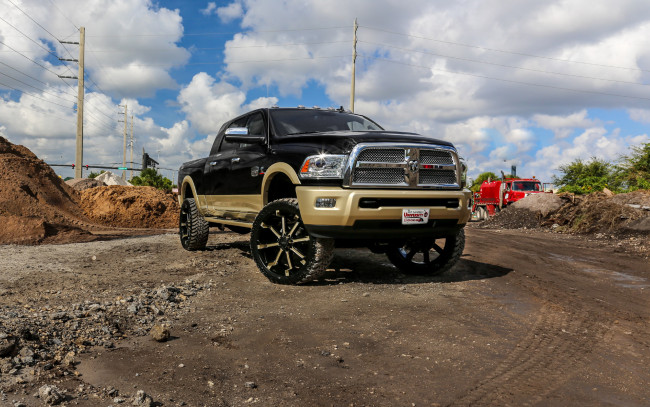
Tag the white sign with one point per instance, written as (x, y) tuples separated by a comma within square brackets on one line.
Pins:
[(415, 216)]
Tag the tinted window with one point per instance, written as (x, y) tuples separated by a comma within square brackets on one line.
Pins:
[(256, 125), (526, 186), (287, 122)]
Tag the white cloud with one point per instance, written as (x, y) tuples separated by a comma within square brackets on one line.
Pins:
[(231, 12), (563, 126), (640, 115), (209, 103), (209, 9)]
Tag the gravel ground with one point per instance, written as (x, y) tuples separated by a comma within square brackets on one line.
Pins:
[(525, 318)]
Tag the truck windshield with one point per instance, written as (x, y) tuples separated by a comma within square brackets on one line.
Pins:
[(526, 186), (288, 122)]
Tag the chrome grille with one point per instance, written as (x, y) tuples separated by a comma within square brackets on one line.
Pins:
[(382, 155), (379, 176), (433, 177), (402, 166), (437, 157)]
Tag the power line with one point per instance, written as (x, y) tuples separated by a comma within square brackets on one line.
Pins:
[(28, 37), (38, 89), (65, 16), (507, 80), (504, 51), (29, 76), (47, 113), (32, 95), (220, 48), (221, 33), (252, 61), (30, 17), (505, 66)]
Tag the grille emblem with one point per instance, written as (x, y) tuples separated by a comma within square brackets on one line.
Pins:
[(413, 165)]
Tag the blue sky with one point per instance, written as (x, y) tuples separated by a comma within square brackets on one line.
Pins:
[(530, 83)]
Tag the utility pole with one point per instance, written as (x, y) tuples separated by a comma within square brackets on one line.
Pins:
[(126, 119), (131, 147), (79, 154), (354, 64)]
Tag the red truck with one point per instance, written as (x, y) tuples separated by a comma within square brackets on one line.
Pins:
[(496, 195)]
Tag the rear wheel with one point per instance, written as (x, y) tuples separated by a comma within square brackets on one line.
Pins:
[(427, 256), (193, 229), (281, 247)]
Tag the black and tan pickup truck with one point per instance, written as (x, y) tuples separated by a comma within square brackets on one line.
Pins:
[(303, 181)]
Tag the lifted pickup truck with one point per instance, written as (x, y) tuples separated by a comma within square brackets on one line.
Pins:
[(304, 180)]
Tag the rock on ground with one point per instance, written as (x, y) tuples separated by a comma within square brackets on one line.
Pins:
[(81, 184)]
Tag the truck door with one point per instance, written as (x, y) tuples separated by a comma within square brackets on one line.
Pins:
[(217, 168), (248, 166)]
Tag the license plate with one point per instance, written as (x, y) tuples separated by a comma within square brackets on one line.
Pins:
[(415, 216)]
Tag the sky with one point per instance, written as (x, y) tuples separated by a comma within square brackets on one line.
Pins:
[(536, 84)]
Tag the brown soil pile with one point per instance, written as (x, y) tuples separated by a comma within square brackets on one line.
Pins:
[(600, 213), (131, 207), (81, 184), (36, 206), (621, 214)]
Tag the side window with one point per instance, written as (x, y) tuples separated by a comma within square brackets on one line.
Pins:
[(228, 146), (256, 125)]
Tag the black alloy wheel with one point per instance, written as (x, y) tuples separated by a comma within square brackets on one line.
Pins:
[(427, 256), (283, 249)]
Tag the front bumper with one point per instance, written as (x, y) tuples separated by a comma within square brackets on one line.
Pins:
[(377, 213)]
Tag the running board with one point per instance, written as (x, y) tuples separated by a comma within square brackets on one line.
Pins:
[(231, 222)]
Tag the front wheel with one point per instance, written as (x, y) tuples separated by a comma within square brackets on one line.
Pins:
[(281, 247), (427, 256), (193, 229)]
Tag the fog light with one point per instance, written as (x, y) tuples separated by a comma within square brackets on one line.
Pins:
[(325, 202)]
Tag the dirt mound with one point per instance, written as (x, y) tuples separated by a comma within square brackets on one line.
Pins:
[(544, 204), (600, 213), (621, 214), (36, 206), (81, 184), (131, 207)]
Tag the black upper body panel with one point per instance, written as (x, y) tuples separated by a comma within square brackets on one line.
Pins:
[(297, 137)]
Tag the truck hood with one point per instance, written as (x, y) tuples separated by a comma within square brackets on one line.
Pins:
[(344, 141)]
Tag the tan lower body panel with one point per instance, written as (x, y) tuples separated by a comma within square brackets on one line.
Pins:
[(235, 207), (347, 209)]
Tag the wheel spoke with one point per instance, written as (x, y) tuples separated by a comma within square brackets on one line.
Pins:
[(411, 254), (302, 257), (284, 226), (277, 259), (286, 272), (267, 245), (293, 229), (264, 225), (302, 239), (437, 248), (426, 256)]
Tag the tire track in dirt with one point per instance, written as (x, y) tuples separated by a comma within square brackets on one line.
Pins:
[(557, 344)]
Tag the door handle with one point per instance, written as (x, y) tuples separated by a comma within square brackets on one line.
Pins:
[(234, 160)]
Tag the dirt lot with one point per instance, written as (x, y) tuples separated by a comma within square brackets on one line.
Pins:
[(526, 318)]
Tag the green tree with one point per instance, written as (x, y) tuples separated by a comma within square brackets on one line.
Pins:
[(581, 177), (633, 171), (476, 185), (150, 177)]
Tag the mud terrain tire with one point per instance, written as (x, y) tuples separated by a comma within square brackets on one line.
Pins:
[(283, 250), (420, 257), (192, 228)]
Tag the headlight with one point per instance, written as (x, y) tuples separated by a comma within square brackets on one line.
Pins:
[(463, 176), (323, 166)]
